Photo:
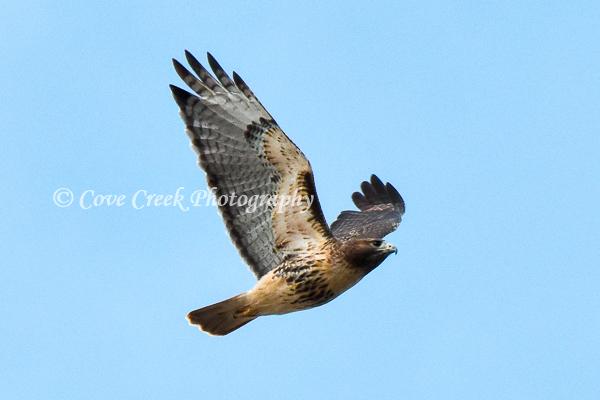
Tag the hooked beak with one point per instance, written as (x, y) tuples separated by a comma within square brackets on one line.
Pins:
[(390, 248)]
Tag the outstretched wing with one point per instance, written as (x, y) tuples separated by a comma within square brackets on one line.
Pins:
[(381, 209), (263, 182)]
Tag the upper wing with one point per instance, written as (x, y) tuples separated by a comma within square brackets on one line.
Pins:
[(381, 209), (263, 182)]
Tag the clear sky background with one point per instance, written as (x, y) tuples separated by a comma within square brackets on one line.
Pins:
[(485, 117)]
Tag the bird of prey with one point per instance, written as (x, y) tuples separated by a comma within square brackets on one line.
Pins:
[(300, 262)]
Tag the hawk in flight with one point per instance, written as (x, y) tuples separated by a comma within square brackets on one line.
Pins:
[(300, 261)]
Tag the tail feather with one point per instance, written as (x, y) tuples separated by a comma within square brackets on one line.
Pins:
[(223, 317)]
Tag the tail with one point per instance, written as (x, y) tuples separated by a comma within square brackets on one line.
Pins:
[(223, 317)]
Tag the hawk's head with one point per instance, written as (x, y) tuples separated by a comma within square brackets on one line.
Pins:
[(367, 254)]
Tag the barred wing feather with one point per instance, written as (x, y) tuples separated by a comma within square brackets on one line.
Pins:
[(244, 152), (381, 209)]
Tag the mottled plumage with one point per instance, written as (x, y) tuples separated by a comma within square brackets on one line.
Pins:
[(300, 262)]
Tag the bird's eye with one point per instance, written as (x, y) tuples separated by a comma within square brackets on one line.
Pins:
[(377, 243)]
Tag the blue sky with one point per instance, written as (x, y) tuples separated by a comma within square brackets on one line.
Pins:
[(485, 117)]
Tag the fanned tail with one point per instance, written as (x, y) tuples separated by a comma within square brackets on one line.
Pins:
[(222, 318)]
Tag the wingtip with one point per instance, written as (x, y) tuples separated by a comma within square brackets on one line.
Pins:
[(181, 96), (191, 59), (377, 184), (216, 67), (365, 187), (241, 85), (211, 58), (375, 178), (396, 196), (238, 80), (392, 189), (359, 200), (177, 90), (180, 69), (176, 64)]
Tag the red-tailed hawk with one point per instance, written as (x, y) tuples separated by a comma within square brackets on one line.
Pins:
[(300, 262)]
